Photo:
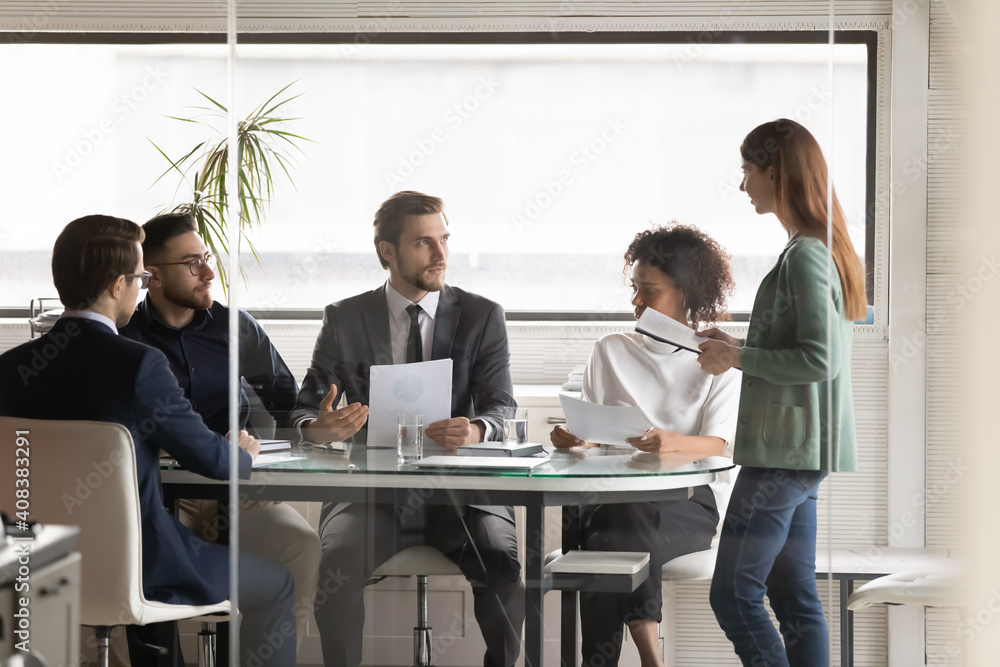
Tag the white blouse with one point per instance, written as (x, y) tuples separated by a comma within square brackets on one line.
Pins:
[(669, 388)]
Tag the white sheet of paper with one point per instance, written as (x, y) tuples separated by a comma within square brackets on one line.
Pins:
[(604, 424), (421, 388), (661, 327), (270, 459)]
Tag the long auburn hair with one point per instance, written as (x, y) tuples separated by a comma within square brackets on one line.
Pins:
[(800, 198)]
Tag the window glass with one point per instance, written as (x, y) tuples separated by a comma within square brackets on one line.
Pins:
[(549, 157)]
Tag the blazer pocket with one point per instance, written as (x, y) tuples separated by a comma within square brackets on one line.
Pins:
[(785, 425)]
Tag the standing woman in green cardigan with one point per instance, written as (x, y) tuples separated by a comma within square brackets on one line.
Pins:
[(796, 416)]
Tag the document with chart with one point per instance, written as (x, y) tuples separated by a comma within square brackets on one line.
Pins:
[(422, 388)]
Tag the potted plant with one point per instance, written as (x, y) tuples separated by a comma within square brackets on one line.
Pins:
[(264, 152)]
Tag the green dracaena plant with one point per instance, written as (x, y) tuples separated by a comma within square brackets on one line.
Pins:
[(264, 150)]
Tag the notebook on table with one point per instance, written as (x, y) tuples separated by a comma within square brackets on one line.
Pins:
[(481, 462)]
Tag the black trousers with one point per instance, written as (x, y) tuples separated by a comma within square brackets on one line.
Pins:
[(361, 537), (267, 629), (666, 530)]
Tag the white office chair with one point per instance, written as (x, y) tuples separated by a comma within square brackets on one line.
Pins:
[(700, 565), (83, 474), (930, 588), (419, 562)]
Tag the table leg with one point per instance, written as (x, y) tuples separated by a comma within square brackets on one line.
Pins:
[(534, 601), (570, 541), (222, 629), (846, 624)]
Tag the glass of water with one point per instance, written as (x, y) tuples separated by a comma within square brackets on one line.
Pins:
[(410, 437), (515, 431)]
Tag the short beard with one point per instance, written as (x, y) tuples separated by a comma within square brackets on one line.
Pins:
[(188, 300), (428, 286)]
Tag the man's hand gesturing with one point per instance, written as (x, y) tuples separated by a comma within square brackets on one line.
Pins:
[(335, 425)]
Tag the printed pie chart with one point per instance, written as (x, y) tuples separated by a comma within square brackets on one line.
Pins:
[(408, 388)]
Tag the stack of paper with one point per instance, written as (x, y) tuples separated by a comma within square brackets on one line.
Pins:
[(575, 380), (599, 562), (498, 462), (500, 449), (274, 445)]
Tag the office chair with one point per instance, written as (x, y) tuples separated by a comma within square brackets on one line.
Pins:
[(930, 588), (92, 464), (700, 565), (421, 562)]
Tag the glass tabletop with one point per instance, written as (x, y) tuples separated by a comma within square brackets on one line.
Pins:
[(595, 461)]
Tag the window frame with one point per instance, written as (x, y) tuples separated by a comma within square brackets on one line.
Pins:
[(869, 38)]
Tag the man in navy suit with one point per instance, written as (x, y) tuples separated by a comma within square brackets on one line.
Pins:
[(89, 372), (414, 316)]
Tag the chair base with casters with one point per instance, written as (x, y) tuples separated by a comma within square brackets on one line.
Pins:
[(209, 616), (419, 562)]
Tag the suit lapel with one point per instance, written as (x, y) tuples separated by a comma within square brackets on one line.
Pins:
[(445, 323), (377, 323)]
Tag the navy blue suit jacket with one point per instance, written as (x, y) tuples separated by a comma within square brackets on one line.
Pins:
[(82, 370)]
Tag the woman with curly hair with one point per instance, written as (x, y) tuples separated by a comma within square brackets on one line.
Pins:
[(680, 272), (796, 414)]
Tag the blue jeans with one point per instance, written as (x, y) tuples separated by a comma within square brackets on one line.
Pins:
[(768, 545)]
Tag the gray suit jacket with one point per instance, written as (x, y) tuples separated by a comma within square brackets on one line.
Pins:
[(468, 328)]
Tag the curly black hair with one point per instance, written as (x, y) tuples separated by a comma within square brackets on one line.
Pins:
[(696, 263)]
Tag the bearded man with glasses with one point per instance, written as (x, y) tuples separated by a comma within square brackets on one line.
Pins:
[(180, 318)]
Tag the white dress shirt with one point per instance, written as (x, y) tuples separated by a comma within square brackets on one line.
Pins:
[(399, 322), (670, 389), (399, 330)]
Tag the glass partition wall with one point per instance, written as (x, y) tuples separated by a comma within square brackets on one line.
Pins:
[(551, 145), (551, 150)]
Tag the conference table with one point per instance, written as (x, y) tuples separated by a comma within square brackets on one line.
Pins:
[(568, 479)]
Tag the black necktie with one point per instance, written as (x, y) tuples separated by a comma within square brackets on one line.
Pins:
[(414, 345)]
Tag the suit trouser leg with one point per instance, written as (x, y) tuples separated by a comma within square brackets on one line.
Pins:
[(280, 534), (274, 531), (267, 602), (484, 546), (267, 622), (355, 541)]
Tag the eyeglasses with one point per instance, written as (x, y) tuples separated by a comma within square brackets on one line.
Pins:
[(196, 265), (143, 278)]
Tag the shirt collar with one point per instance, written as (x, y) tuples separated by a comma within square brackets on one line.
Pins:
[(397, 302), (93, 317)]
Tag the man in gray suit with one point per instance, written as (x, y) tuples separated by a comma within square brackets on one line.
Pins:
[(414, 316)]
